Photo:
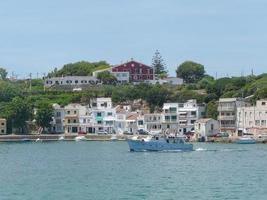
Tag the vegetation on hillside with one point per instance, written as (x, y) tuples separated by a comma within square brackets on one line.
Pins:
[(82, 68), (18, 99)]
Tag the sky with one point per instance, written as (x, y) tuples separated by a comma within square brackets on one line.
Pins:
[(228, 37)]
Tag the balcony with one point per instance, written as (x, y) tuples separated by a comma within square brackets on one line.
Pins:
[(225, 117), (226, 108)]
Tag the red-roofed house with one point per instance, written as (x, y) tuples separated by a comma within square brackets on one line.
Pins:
[(138, 72)]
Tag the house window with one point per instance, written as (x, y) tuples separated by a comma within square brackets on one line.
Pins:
[(58, 114), (212, 127), (263, 103), (109, 113), (98, 114), (68, 112), (174, 118), (75, 112), (2, 131), (76, 81), (193, 112), (140, 122), (74, 121), (68, 121), (3, 124), (99, 122)]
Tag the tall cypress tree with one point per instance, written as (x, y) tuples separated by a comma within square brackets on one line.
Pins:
[(158, 64)]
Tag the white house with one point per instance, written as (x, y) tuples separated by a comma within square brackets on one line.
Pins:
[(57, 124), (189, 112), (70, 80), (206, 127), (103, 115), (153, 122), (170, 118)]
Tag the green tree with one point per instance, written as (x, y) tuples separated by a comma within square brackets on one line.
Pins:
[(3, 73), (211, 110), (190, 71), (20, 111), (159, 65), (44, 115), (82, 68), (106, 77)]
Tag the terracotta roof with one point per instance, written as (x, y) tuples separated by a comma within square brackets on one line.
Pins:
[(132, 116)]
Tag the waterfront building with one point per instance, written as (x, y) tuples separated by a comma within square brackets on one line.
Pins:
[(180, 117), (86, 121), (138, 72), (252, 118), (227, 108), (170, 118), (131, 123), (57, 124), (103, 115), (140, 122), (72, 118), (189, 112), (3, 126), (121, 114), (206, 127), (153, 122)]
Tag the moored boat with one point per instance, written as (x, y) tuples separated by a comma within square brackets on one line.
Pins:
[(157, 143), (245, 140)]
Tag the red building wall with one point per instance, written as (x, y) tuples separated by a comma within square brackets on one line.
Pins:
[(137, 71)]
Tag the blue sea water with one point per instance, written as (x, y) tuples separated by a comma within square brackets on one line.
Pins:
[(107, 170)]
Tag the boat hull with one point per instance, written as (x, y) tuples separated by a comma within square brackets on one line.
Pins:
[(137, 145), (252, 141)]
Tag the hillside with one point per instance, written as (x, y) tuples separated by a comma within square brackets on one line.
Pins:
[(82, 68)]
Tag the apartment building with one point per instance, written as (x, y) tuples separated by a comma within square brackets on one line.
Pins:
[(189, 112), (227, 108), (72, 118), (153, 122), (170, 117), (103, 115), (252, 118), (57, 124)]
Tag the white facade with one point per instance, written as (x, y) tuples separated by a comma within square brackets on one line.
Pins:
[(57, 124), (189, 112), (103, 115), (253, 118), (72, 118), (168, 80), (227, 109), (122, 77), (170, 118), (153, 122), (70, 80), (206, 127)]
